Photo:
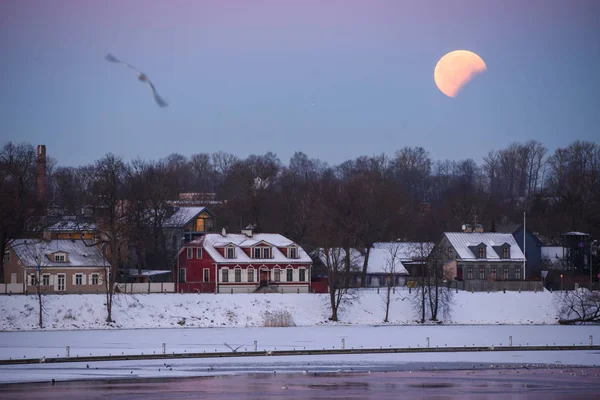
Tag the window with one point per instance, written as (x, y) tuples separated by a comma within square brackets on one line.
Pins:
[(206, 275), (60, 257), (199, 253), (6, 256), (238, 275), (182, 275), (230, 252), (95, 279), (79, 279), (493, 273), (190, 253), (481, 272), (250, 274), (225, 275), (174, 242), (267, 252), (470, 273), (302, 275), (277, 275), (293, 252), (450, 253), (289, 274), (505, 273), (61, 282), (506, 252), (481, 252), (32, 281), (517, 272), (257, 252), (46, 280)]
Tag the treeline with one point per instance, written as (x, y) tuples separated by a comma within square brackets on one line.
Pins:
[(407, 195)]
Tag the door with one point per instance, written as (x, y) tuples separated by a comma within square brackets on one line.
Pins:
[(61, 283), (264, 277), (13, 277)]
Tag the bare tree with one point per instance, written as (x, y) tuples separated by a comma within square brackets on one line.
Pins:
[(433, 298), (107, 192), (335, 259), (18, 202), (393, 265), (36, 252), (578, 306)]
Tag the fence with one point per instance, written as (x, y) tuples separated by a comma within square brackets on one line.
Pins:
[(149, 287), (11, 288), (498, 286)]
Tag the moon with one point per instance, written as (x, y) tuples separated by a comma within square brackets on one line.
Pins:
[(455, 69)]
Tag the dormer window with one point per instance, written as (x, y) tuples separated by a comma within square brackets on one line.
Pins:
[(481, 252), (293, 252), (261, 252), (60, 257), (230, 252), (6, 258), (506, 252)]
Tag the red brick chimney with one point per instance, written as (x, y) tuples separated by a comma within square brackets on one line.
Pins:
[(41, 173)]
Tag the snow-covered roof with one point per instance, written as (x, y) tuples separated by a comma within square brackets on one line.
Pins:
[(72, 223), (575, 234), (33, 252), (182, 216), (378, 262), (240, 240), (381, 254), (461, 241), (146, 272)]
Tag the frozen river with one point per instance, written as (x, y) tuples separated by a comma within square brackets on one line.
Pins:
[(567, 383), (193, 340)]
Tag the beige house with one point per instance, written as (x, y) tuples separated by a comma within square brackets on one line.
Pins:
[(62, 266)]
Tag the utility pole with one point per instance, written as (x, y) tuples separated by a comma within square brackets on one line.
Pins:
[(524, 248)]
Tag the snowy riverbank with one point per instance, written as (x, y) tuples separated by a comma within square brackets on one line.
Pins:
[(248, 310)]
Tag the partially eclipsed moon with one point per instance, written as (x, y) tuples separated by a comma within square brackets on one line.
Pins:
[(456, 69)]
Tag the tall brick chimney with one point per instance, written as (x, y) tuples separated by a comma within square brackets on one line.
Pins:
[(41, 173)]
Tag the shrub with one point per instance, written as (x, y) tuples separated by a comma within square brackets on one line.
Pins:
[(278, 319), (69, 315)]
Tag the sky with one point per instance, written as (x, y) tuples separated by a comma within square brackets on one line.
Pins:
[(334, 79)]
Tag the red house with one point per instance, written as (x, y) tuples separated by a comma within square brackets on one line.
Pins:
[(244, 262)]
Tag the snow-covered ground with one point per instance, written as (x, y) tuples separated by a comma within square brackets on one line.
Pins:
[(248, 310)]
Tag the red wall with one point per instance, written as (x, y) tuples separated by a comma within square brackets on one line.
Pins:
[(194, 269), (194, 273)]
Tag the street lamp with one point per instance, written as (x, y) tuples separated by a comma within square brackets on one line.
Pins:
[(561, 282)]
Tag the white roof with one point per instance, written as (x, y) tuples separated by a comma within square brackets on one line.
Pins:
[(240, 240), (146, 272), (33, 252), (381, 254), (72, 223), (182, 216), (462, 240)]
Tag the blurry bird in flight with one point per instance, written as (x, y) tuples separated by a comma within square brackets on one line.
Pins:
[(141, 77)]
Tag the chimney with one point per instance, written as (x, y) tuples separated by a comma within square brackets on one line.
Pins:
[(478, 228), (467, 228), (248, 230), (41, 173)]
